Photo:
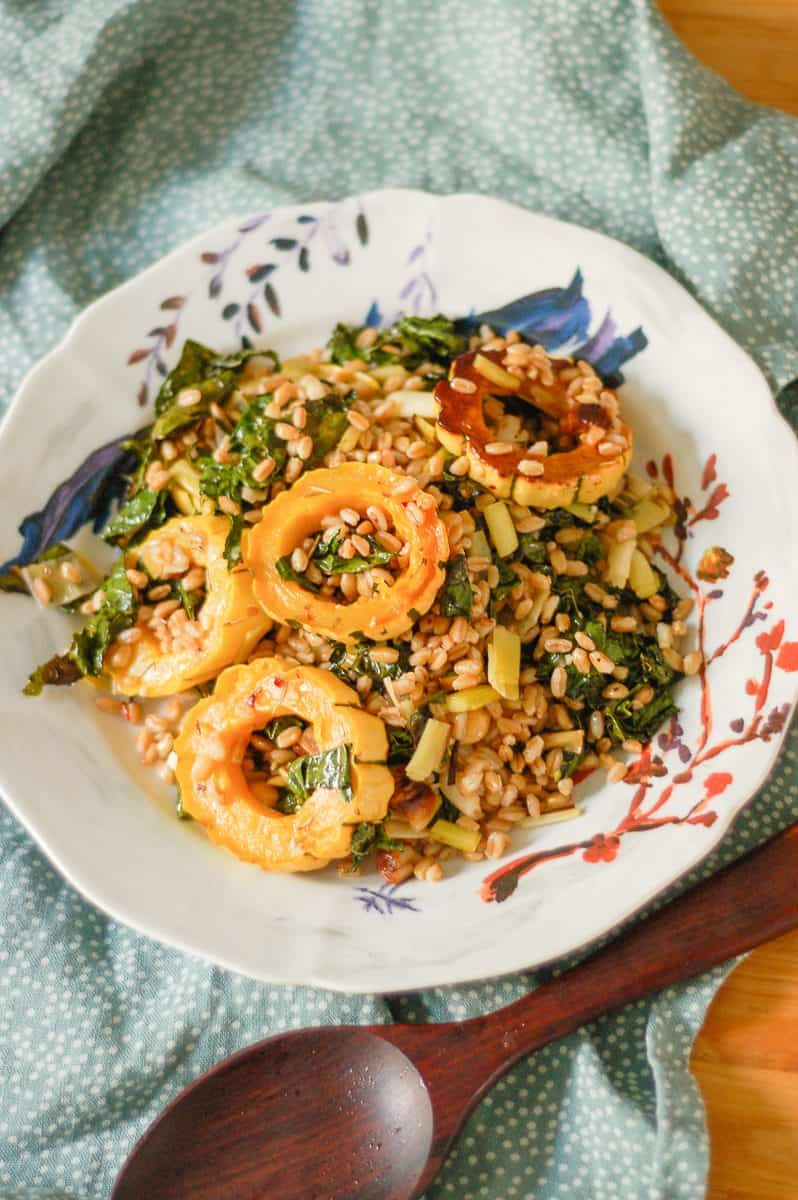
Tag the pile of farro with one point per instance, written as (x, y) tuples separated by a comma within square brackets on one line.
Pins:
[(398, 510)]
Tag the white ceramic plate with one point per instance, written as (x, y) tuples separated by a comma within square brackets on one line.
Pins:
[(283, 279)]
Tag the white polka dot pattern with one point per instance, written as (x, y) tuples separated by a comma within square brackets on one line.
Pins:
[(128, 126)]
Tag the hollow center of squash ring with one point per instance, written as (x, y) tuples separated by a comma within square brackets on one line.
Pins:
[(353, 555), (172, 584), (269, 754)]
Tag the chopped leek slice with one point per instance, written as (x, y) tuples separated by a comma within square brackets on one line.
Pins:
[(504, 662), (185, 488), (648, 514), (566, 739), (637, 486), (643, 580), (392, 827), (414, 404), (349, 439), (464, 840), (500, 527), (480, 547), (552, 818), (494, 373), (619, 562), (529, 622), (429, 752), (585, 512), (471, 698)]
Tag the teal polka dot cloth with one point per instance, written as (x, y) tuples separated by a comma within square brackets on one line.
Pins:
[(130, 125)]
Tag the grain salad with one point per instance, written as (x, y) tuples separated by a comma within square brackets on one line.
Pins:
[(383, 604)]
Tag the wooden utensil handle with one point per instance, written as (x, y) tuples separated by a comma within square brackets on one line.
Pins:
[(747, 903)]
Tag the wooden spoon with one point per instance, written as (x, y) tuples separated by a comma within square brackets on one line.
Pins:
[(355, 1113)]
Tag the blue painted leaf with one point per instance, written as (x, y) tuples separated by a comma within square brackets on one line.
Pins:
[(259, 272), (600, 342), (362, 228), (85, 497), (283, 243), (304, 259), (270, 296), (229, 311), (373, 316), (622, 349), (307, 219), (253, 223), (552, 317)]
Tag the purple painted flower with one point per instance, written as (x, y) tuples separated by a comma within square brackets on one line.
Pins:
[(85, 497), (558, 316), (384, 900)]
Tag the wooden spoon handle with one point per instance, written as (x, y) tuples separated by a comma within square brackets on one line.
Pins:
[(747, 903)]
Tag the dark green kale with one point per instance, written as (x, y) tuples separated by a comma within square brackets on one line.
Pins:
[(367, 838), (351, 663), (401, 745), (588, 550), (90, 643), (255, 438), (447, 811), (279, 725), (286, 571), (623, 721), (507, 581), (12, 581), (232, 543), (326, 422), (416, 340), (213, 374), (188, 600), (462, 490), (327, 558), (456, 597), (329, 769), (143, 512)]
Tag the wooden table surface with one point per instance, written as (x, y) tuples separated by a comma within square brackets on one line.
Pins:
[(746, 1057)]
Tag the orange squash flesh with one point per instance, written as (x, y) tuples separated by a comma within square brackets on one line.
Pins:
[(231, 620), (214, 788), (295, 514), (580, 474)]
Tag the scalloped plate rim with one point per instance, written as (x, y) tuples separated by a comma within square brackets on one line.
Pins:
[(328, 979)]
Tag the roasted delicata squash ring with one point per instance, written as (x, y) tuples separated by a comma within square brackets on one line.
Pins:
[(585, 473), (213, 786), (297, 513), (176, 654)]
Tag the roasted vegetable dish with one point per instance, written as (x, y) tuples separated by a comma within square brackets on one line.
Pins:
[(384, 602)]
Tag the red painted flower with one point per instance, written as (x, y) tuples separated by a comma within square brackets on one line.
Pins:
[(788, 657), (710, 473), (716, 783), (602, 848), (705, 818), (771, 640)]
